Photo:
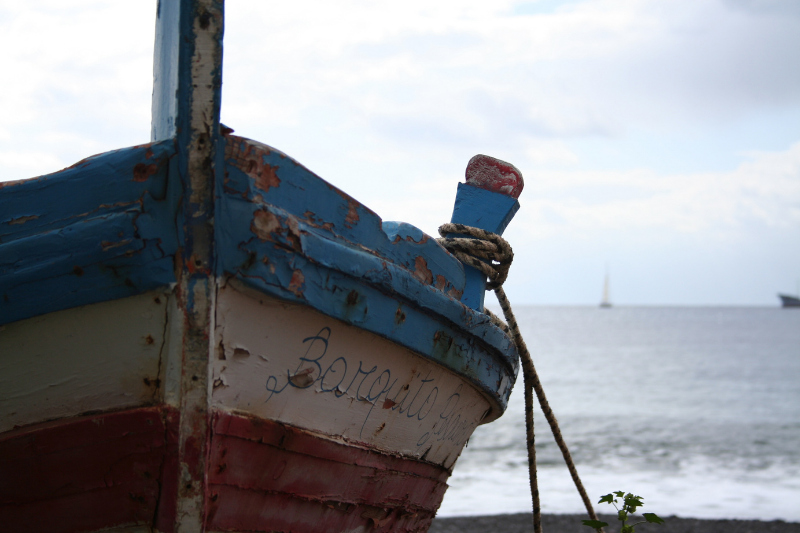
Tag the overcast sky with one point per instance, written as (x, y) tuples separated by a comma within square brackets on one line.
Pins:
[(658, 138)]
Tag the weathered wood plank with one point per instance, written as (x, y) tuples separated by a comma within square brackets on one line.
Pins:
[(186, 104)]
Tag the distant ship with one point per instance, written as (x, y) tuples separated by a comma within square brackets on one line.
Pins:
[(605, 302), (789, 301)]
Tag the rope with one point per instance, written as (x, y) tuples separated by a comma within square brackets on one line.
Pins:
[(492, 255)]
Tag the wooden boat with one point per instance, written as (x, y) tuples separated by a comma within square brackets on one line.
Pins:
[(200, 334)]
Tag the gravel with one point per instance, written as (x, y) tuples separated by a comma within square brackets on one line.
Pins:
[(552, 523)]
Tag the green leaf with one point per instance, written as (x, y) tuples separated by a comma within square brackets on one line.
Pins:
[(620, 493), (608, 498), (653, 518), (632, 502), (622, 515), (596, 524)]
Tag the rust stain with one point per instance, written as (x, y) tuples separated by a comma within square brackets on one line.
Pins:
[(142, 172), (423, 240), (441, 282), (454, 293), (22, 220), (388, 404), (264, 224), (421, 270), (116, 204), (252, 163), (296, 283), (107, 245), (78, 271), (148, 154), (399, 316), (149, 339), (12, 183), (194, 265), (352, 214), (266, 177)]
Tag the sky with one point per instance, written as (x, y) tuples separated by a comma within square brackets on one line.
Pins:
[(659, 140)]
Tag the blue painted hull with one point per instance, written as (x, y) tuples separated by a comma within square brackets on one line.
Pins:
[(106, 229)]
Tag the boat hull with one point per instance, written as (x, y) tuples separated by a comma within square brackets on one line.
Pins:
[(335, 387), (120, 470), (316, 425), (789, 301)]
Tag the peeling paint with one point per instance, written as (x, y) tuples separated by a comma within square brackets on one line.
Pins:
[(296, 283), (422, 272), (252, 162), (106, 245), (264, 224), (113, 240), (22, 220), (352, 217)]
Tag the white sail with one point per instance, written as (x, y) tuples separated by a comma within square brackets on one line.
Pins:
[(606, 301)]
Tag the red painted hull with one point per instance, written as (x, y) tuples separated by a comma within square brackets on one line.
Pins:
[(121, 469), (84, 474)]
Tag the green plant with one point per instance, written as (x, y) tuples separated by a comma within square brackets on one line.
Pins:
[(629, 505)]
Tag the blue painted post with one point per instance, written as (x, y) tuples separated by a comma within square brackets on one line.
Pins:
[(488, 200), (186, 107)]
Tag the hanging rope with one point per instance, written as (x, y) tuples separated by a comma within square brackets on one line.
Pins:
[(492, 255)]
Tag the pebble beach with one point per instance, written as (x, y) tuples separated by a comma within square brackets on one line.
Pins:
[(571, 523)]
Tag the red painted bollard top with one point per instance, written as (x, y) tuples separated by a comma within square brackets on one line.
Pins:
[(491, 174)]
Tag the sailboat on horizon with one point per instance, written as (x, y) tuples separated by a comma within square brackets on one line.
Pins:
[(605, 303)]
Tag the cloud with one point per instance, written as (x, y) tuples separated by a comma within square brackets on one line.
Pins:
[(763, 191), (78, 80), (592, 100), (465, 72)]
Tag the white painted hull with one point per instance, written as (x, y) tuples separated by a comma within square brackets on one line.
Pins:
[(291, 364), (95, 358), (272, 360)]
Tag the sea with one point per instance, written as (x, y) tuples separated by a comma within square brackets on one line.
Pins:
[(696, 409)]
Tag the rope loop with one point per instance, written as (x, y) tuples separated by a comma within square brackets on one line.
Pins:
[(492, 255), (485, 251)]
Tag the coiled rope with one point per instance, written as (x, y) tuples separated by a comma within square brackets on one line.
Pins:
[(492, 255)]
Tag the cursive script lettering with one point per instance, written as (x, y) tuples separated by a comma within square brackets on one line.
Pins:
[(418, 398)]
